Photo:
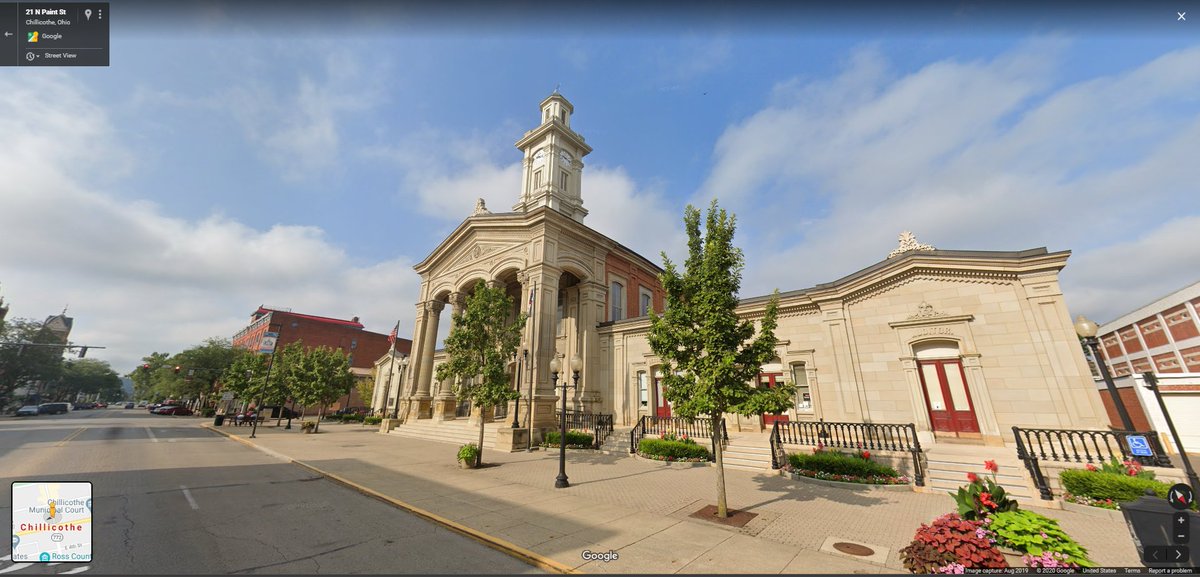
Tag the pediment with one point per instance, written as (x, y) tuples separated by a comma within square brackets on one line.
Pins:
[(474, 251)]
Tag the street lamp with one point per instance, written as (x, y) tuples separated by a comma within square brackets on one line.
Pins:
[(576, 365), (1086, 330), (517, 406)]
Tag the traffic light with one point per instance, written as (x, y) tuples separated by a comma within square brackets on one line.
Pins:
[(83, 352), (177, 369)]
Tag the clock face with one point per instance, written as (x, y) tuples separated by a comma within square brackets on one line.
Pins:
[(540, 155), (565, 159)]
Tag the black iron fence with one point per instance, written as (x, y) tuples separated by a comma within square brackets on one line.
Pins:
[(1078, 446), (678, 426), (869, 436), (599, 424)]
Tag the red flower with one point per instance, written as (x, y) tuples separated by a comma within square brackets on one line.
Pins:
[(972, 477), (1092, 467), (991, 466), (985, 499), (866, 454)]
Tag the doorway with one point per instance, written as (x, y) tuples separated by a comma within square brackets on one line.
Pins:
[(770, 380), (951, 411), (663, 407)]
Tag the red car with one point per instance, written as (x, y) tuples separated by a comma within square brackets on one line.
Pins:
[(172, 410)]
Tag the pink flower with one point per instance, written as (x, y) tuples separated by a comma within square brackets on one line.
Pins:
[(991, 466), (972, 477)]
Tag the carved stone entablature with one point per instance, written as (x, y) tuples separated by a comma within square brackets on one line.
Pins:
[(908, 243), (939, 320), (925, 311), (924, 274)]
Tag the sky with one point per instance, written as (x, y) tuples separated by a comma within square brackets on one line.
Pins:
[(307, 155)]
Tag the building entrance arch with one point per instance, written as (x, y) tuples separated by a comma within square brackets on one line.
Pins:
[(944, 384)]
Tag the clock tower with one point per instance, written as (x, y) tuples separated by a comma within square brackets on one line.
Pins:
[(552, 166)]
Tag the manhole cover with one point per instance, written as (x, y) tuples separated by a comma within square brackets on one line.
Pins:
[(854, 549)]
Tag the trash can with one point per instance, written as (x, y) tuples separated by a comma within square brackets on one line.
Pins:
[(219, 420)]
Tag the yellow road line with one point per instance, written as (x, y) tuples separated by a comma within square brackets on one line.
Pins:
[(506, 547), (71, 436)]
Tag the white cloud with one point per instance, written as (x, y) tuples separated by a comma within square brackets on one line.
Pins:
[(138, 279), (988, 155)]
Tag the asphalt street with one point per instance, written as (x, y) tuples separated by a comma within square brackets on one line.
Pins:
[(172, 498)]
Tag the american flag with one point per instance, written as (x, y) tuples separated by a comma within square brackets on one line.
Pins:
[(532, 291), (392, 337)]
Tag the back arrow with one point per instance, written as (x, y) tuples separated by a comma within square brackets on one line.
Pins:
[(7, 34)]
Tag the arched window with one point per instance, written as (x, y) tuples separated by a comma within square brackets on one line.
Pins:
[(616, 298)]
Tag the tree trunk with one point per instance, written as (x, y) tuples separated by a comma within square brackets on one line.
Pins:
[(479, 457), (320, 415), (280, 419), (722, 508)]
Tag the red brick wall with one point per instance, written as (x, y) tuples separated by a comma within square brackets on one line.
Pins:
[(1191, 357), (1167, 363), (1180, 323), (635, 278), (1111, 349), (1132, 405), (1152, 332), (1130, 340)]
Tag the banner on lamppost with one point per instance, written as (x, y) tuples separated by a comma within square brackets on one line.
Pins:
[(268, 343)]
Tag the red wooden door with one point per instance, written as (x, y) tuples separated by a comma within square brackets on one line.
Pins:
[(770, 380), (946, 396), (663, 409)]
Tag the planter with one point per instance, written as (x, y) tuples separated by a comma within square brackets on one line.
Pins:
[(1011, 556), (466, 464), (845, 484), (1113, 514), (683, 464)]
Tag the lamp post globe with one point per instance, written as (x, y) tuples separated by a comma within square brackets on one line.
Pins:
[(1086, 329)]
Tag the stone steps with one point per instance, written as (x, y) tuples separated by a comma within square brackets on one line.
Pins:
[(948, 471), (450, 432), (747, 455)]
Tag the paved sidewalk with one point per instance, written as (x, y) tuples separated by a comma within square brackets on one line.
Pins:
[(639, 508)]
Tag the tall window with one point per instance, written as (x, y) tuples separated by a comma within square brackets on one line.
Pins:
[(537, 179), (645, 298), (803, 390), (562, 305), (562, 180), (616, 298), (643, 389)]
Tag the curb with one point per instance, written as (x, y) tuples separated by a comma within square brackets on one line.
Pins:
[(510, 549)]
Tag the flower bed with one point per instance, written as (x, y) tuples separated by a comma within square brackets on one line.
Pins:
[(830, 465), (672, 448), (1099, 486), (575, 440), (1091, 502)]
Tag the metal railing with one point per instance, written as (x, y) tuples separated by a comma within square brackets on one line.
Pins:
[(1079, 446), (678, 426), (869, 436), (600, 424)]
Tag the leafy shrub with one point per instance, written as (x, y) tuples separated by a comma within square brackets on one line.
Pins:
[(682, 438), (674, 450), (951, 539), (209, 412), (575, 440), (373, 420), (468, 452), (1036, 534), (837, 463), (1101, 486), (353, 418), (333, 417), (308, 426)]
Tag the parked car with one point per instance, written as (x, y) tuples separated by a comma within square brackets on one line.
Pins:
[(153, 406), (28, 411), (173, 410), (102, 405), (129, 405), (352, 411), (53, 408), (142, 404), (82, 406)]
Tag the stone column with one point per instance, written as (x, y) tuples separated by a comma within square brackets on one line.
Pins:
[(541, 348), (423, 376), (446, 404), (590, 313)]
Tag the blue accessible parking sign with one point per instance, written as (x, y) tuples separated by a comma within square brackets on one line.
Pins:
[(1139, 446)]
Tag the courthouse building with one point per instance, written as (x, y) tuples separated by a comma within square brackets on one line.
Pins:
[(964, 344)]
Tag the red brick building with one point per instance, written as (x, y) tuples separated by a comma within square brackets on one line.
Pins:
[(1162, 337), (349, 336)]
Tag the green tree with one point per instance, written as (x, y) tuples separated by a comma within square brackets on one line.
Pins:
[(323, 375), (88, 377), (711, 355), (145, 382), (366, 388), (284, 375), (31, 365), (246, 375), (478, 349), (201, 367)]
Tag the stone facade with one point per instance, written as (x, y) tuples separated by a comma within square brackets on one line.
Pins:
[(966, 344)]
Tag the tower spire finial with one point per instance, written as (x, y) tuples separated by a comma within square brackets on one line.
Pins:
[(556, 87)]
